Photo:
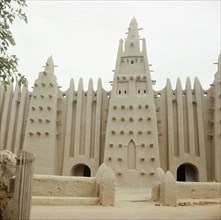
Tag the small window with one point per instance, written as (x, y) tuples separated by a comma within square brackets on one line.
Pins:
[(132, 62), (141, 88), (122, 88)]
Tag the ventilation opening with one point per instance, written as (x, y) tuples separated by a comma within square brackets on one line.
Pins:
[(81, 170), (187, 173)]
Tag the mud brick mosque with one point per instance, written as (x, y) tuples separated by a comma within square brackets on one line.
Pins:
[(132, 128)]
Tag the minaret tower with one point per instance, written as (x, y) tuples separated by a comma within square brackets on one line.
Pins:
[(40, 134), (131, 146)]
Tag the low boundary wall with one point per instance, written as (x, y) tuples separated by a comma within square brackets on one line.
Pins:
[(167, 190), (51, 185), (102, 186), (198, 190)]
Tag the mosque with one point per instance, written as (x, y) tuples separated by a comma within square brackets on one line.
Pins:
[(132, 128)]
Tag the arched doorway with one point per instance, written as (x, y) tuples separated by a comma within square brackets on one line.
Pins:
[(81, 170), (187, 173)]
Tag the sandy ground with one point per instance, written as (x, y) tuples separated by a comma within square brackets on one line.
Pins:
[(133, 205)]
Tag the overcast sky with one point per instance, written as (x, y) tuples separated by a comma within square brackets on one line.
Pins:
[(183, 39)]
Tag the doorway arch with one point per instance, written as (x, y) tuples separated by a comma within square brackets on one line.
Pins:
[(81, 170), (187, 173)]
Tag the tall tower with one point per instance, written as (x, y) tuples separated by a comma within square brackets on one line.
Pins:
[(40, 135), (131, 146)]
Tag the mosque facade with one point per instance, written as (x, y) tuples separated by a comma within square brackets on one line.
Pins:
[(132, 128)]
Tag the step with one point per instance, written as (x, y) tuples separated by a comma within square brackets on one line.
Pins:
[(133, 194), (62, 200)]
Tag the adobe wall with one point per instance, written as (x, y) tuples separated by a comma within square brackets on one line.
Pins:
[(50, 185), (14, 108), (83, 126), (51, 189), (67, 128), (202, 190), (185, 125)]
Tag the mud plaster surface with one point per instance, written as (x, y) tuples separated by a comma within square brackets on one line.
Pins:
[(133, 204)]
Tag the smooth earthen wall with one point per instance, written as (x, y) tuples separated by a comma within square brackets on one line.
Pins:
[(49, 185), (203, 190)]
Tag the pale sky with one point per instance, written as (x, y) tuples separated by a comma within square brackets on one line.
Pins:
[(183, 39)]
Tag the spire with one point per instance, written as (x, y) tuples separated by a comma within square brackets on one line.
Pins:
[(132, 33), (132, 44), (49, 66)]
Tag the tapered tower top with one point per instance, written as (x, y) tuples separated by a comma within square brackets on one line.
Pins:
[(49, 66), (133, 30), (132, 44)]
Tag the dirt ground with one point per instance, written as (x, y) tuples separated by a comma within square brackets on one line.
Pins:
[(133, 205)]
